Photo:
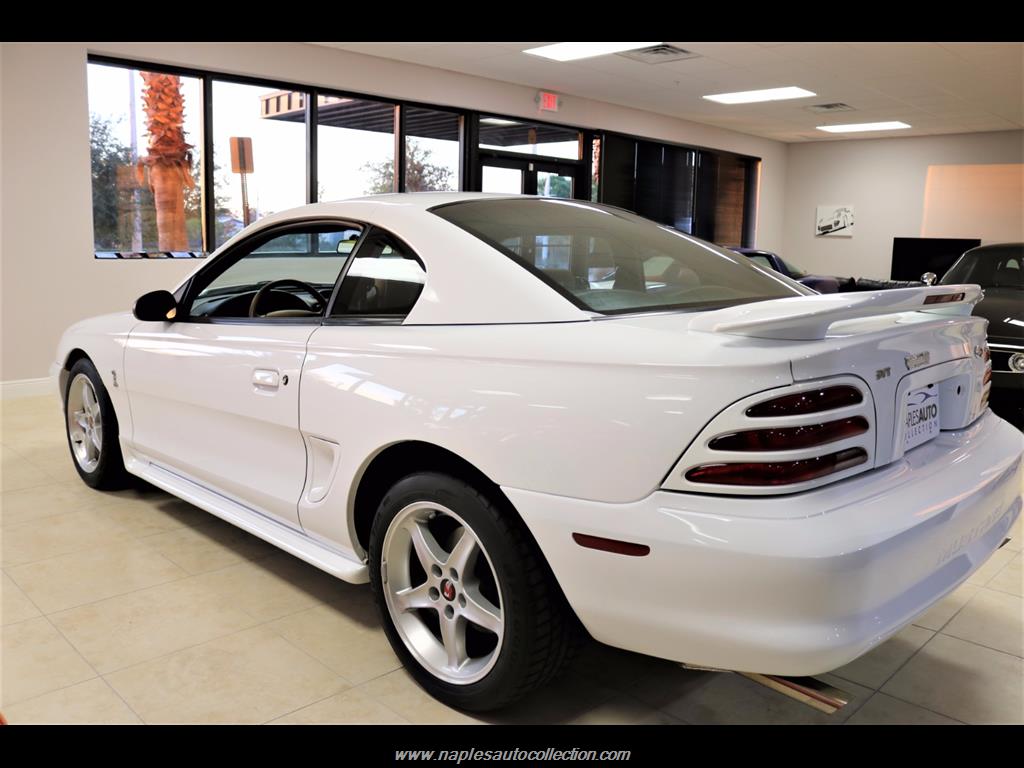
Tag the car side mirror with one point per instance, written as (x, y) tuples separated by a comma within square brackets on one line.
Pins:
[(929, 278), (156, 307)]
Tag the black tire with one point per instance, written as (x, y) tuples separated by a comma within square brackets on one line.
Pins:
[(109, 473), (541, 632)]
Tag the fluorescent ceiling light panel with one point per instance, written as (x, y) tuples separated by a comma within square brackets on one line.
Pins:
[(497, 121), (894, 125), (573, 51), (768, 94)]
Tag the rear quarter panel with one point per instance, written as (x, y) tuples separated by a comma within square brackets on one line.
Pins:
[(593, 410)]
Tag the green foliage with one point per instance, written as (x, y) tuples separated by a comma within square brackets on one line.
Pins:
[(107, 156), (114, 207), (558, 186), (420, 174)]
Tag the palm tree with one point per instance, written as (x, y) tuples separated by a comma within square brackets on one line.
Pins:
[(169, 159)]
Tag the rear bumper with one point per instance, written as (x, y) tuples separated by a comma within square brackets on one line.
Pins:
[(790, 585)]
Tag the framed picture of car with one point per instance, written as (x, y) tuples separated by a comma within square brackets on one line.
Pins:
[(834, 221)]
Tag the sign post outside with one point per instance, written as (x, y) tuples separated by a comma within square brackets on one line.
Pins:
[(241, 163)]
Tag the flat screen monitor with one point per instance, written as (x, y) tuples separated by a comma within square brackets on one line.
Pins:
[(913, 256)]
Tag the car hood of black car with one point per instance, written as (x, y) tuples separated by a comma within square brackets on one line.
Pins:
[(1004, 310)]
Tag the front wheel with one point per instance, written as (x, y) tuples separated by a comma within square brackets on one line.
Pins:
[(92, 429), (468, 603)]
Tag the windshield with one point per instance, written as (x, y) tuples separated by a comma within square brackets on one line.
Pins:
[(1001, 267), (610, 261)]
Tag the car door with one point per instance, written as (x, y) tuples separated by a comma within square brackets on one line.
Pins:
[(214, 394), (353, 377)]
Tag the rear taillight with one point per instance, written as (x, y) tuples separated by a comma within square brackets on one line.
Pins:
[(811, 401), (790, 438), (775, 473), (801, 437), (943, 298)]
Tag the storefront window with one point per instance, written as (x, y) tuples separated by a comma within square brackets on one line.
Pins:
[(431, 150), (541, 139), (355, 148), (145, 149), (267, 173)]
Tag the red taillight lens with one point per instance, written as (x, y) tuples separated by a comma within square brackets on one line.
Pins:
[(943, 298), (790, 438), (777, 472), (812, 401)]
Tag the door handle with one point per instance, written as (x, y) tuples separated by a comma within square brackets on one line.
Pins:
[(266, 379)]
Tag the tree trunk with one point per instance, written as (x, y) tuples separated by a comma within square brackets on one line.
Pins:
[(169, 158), (169, 199)]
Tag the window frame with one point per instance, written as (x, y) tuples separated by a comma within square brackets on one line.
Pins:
[(238, 251), (389, 319)]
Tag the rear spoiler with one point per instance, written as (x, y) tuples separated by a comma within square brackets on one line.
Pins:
[(809, 317)]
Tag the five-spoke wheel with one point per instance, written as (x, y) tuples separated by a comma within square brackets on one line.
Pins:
[(85, 423), (443, 597), (467, 601), (92, 428)]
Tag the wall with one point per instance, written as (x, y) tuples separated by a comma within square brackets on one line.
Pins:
[(885, 181), (49, 277)]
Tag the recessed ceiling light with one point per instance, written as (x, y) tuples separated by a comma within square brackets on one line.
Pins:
[(573, 51), (497, 121), (894, 125), (767, 94)]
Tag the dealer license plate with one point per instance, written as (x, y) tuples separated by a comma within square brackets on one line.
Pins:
[(921, 416)]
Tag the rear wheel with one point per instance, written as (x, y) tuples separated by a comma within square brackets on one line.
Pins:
[(92, 429), (468, 603)]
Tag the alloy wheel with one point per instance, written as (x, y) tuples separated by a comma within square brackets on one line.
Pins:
[(442, 593), (85, 423)]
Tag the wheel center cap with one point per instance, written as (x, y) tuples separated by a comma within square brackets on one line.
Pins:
[(448, 590)]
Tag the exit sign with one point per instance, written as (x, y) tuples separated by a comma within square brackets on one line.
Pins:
[(549, 102)]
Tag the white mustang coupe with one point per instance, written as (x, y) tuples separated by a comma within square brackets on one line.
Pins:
[(514, 416)]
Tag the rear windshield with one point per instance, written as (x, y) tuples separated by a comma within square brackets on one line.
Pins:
[(610, 261)]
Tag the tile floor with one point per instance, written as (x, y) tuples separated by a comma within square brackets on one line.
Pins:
[(136, 607)]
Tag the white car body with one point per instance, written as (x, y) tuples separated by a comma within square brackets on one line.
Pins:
[(588, 424)]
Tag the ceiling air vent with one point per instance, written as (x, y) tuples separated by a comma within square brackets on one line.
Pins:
[(837, 106), (659, 54)]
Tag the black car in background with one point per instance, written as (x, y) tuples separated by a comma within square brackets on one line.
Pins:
[(999, 270)]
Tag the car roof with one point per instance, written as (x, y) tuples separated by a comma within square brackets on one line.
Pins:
[(996, 248), (468, 282)]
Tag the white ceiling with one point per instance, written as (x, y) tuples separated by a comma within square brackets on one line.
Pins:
[(936, 87)]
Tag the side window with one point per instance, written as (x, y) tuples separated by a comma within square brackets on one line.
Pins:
[(385, 279), (286, 275)]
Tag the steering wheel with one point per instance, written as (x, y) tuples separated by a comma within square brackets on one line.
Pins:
[(318, 300)]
